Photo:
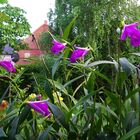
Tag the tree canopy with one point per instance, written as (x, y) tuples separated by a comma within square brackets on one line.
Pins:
[(13, 25)]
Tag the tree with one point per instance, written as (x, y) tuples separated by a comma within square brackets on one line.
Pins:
[(44, 41), (96, 23), (13, 25), (3, 1)]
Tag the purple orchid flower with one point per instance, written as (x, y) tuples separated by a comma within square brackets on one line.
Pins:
[(78, 53), (8, 65), (132, 32), (40, 107), (135, 38), (128, 30), (57, 47), (7, 49)]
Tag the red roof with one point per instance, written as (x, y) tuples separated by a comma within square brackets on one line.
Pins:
[(35, 35), (31, 41)]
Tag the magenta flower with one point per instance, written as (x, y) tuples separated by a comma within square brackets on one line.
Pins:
[(8, 65), (135, 38), (57, 47), (132, 32), (128, 30), (78, 53), (40, 107)]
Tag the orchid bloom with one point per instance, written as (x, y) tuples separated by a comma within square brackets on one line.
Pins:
[(132, 32), (135, 38), (57, 47), (78, 53), (40, 107), (8, 65)]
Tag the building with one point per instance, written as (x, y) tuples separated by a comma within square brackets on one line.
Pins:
[(33, 48)]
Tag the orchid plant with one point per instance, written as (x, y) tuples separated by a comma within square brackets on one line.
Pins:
[(80, 102)]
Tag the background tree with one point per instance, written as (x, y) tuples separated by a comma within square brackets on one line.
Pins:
[(13, 25), (97, 22), (45, 41), (3, 1)]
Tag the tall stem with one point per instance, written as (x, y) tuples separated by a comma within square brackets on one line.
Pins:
[(43, 60)]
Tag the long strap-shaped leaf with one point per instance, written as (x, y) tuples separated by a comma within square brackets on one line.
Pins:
[(99, 62), (131, 133), (68, 29)]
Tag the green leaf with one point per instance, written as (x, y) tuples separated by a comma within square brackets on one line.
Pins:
[(45, 134), (93, 64), (66, 52), (3, 1), (58, 114), (102, 76), (8, 117), (2, 133), (137, 54), (13, 130), (24, 114), (127, 66), (4, 17), (55, 66), (78, 87), (48, 90), (128, 120), (58, 85), (107, 109), (61, 88), (121, 79), (81, 101), (68, 29), (73, 80), (90, 81), (131, 133), (54, 37), (19, 137), (132, 93)]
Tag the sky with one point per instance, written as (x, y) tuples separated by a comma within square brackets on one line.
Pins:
[(36, 10)]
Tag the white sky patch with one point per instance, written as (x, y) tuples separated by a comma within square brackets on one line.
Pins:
[(36, 10)]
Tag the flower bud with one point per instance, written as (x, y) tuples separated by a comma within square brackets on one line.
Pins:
[(32, 96), (3, 105)]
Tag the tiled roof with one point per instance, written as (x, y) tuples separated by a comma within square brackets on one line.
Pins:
[(31, 41)]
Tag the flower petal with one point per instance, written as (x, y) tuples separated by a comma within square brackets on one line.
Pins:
[(8, 65), (40, 107), (79, 53), (57, 47), (128, 30), (135, 38)]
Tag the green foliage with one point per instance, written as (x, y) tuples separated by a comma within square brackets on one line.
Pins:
[(88, 100), (3, 1), (45, 41), (89, 111), (13, 25)]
